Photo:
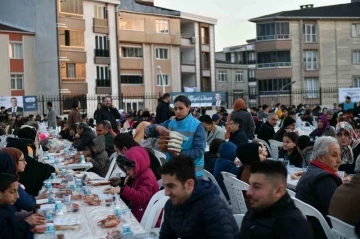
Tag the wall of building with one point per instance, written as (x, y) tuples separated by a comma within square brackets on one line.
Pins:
[(112, 16), (40, 17), (4, 65), (212, 56), (230, 85), (29, 65)]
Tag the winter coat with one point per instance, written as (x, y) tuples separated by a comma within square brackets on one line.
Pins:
[(10, 227), (294, 158), (266, 132), (316, 188), (283, 220), (327, 132), (74, 117), (219, 133), (248, 124), (144, 184), (25, 201), (225, 163), (210, 160), (238, 137), (109, 114), (203, 215), (163, 112), (100, 161)]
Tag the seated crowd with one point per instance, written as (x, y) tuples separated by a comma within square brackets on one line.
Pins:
[(234, 143)]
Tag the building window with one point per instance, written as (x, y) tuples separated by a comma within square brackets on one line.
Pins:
[(72, 70), (355, 30), (15, 51), (132, 79), (133, 24), (272, 31), (162, 53), (100, 12), (17, 82), (159, 80), (205, 60), (205, 39), (162, 26), (356, 57), (311, 60), (101, 46), (252, 90), (103, 76), (131, 52), (274, 59), (356, 82), (222, 76), (251, 74), (273, 86), (71, 38), (311, 88), (239, 76), (310, 33), (72, 6)]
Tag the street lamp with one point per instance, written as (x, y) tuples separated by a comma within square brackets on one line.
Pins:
[(275, 98), (162, 78)]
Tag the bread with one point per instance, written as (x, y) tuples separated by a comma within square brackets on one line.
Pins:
[(176, 141), (67, 227), (174, 145), (174, 149)]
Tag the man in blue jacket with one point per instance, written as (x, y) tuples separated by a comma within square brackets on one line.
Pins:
[(195, 209)]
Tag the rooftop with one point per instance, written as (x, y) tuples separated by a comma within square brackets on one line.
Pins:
[(340, 11), (132, 6), (7, 28)]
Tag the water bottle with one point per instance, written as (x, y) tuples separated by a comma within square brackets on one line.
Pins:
[(82, 159), (126, 231)]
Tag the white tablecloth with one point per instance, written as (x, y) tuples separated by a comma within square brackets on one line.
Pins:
[(291, 183), (86, 166), (89, 217)]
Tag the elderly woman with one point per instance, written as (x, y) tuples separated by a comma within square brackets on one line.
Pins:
[(323, 128), (349, 146), (317, 186)]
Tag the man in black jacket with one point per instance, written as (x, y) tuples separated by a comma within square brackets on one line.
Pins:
[(267, 131), (85, 136), (163, 112), (237, 135), (195, 209), (272, 213), (108, 112)]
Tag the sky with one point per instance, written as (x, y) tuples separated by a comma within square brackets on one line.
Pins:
[(233, 26)]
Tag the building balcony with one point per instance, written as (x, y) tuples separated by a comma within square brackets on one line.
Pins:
[(188, 41), (250, 62), (274, 65), (273, 37), (72, 55), (252, 97), (273, 73), (101, 56), (274, 45), (252, 79), (101, 26), (205, 66), (188, 66)]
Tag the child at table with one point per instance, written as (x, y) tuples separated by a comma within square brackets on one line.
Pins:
[(289, 150), (10, 227)]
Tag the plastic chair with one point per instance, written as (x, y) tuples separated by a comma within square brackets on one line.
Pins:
[(291, 193), (274, 145), (155, 211), (156, 197), (160, 156), (235, 189), (239, 218), (209, 177), (112, 165), (341, 229), (267, 147), (308, 210)]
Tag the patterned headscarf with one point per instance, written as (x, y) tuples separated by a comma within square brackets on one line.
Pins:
[(347, 155)]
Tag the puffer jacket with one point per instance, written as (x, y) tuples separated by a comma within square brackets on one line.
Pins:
[(203, 215), (144, 185)]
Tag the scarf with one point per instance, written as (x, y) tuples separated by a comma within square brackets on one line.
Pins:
[(347, 155), (325, 121), (319, 164)]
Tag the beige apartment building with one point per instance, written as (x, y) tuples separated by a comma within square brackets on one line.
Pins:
[(17, 62), (310, 48)]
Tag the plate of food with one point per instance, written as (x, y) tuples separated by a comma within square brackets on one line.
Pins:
[(115, 234), (92, 200), (110, 221)]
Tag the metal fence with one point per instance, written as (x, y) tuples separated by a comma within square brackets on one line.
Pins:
[(134, 102)]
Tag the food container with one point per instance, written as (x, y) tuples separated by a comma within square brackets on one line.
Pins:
[(53, 176), (63, 172), (51, 197), (118, 212), (50, 228), (48, 185)]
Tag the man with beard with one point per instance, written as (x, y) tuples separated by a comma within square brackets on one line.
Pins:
[(272, 213), (108, 112)]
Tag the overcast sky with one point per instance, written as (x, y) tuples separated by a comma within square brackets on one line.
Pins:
[(233, 27)]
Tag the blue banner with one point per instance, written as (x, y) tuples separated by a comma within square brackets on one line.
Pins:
[(30, 103), (202, 99)]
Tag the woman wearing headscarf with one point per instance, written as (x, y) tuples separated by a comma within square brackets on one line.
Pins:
[(25, 201), (349, 146), (323, 128), (288, 126), (28, 134), (35, 173), (240, 112)]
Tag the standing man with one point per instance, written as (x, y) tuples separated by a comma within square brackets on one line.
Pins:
[(51, 116), (108, 112), (74, 116), (14, 109), (163, 112), (195, 209), (348, 104), (267, 131), (272, 213)]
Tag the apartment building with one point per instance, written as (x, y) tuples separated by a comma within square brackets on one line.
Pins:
[(309, 48), (17, 62), (244, 58), (198, 52), (87, 36), (231, 77)]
